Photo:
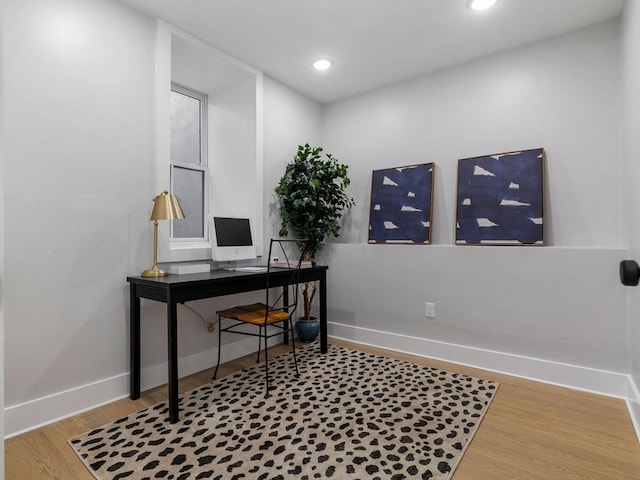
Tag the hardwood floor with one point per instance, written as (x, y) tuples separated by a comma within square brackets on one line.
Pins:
[(532, 431)]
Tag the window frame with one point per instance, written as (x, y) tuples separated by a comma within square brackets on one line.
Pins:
[(203, 166)]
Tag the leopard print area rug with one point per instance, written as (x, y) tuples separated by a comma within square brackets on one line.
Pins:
[(350, 415)]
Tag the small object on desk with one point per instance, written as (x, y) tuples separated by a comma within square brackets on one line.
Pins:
[(183, 268), (165, 207), (290, 264), (250, 269)]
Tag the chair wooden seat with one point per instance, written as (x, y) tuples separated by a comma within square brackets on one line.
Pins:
[(256, 313), (274, 316)]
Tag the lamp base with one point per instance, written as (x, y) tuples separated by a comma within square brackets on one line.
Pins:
[(154, 272)]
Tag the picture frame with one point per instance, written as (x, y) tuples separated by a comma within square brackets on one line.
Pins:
[(401, 208), (500, 199)]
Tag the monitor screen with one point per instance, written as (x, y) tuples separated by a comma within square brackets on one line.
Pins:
[(231, 238)]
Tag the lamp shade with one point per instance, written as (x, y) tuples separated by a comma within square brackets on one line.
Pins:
[(166, 207)]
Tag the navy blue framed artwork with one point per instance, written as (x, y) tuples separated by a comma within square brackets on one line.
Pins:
[(500, 199), (401, 204)]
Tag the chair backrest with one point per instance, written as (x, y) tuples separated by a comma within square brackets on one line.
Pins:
[(291, 253)]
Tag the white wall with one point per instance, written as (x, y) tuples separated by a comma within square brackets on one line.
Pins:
[(631, 181), (79, 143), (233, 158), (77, 186), (1, 239), (291, 119), (560, 303), (561, 94)]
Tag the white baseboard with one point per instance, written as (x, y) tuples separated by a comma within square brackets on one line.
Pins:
[(36, 413), (633, 404), (581, 378)]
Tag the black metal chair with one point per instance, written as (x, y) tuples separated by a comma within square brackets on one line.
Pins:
[(274, 316)]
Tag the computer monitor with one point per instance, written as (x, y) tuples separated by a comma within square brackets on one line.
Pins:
[(231, 238)]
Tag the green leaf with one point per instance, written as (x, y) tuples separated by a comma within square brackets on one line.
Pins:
[(311, 195)]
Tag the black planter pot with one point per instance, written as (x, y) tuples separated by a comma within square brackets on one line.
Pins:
[(307, 328)]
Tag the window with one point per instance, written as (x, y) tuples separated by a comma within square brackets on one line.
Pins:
[(208, 141), (189, 167)]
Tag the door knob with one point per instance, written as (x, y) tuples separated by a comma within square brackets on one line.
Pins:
[(629, 273)]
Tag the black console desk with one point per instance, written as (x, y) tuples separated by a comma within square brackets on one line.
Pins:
[(175, 289)]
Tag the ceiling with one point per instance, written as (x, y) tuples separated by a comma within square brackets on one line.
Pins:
[(371, 42)]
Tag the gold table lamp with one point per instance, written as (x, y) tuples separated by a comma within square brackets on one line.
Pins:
[(165, 207)]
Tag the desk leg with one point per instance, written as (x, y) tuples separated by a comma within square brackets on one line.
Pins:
[(323, 313), (285, 301), (172, 349), (134, 343)]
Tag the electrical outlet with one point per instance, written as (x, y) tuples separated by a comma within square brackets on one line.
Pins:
[(430, 311)]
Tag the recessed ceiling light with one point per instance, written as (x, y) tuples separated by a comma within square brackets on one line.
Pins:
[(481, 4), (322, 64)]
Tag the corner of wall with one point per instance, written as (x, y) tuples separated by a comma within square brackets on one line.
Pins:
[(633, 404)]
